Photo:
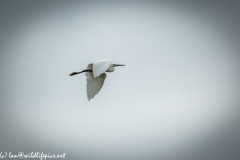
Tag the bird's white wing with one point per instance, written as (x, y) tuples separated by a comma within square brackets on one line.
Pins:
[(94, 85), (90, 65), (101, 66)]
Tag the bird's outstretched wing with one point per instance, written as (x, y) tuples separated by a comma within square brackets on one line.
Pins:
[(90, 65), (94, 85), (101, 66)]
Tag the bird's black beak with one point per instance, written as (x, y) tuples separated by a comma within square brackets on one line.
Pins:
[(119, 65)]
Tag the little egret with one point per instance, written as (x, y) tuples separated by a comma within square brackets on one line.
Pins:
[(96, 75)]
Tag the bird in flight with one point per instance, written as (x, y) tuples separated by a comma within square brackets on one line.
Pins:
[(95, 73)]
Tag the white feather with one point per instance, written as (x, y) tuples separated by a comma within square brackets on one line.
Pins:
[(101, 66), (94, 85)]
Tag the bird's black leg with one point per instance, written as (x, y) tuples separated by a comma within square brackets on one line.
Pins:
[(86, 70)]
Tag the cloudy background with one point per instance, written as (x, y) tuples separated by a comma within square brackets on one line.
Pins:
[(177, 98)]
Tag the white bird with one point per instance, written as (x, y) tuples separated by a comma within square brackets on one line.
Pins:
[(96, 75)]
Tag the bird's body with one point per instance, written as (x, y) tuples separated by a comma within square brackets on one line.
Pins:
[(95, 73)]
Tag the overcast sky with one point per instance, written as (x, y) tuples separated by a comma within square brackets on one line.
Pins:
[(176, 98)]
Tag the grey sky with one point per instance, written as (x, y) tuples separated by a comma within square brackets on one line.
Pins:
[(177, 97)]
